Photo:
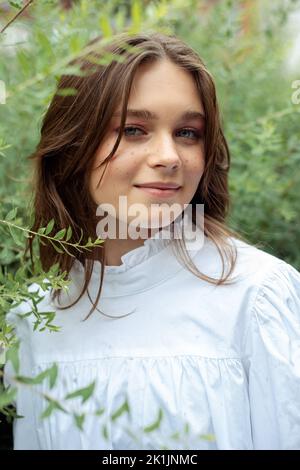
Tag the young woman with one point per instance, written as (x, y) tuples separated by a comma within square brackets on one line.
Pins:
[(200, 341)]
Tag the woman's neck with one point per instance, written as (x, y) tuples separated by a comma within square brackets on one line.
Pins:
[(116, 248)]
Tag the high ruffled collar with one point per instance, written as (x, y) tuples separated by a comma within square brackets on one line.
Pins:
[(136, 256), (141, 268)]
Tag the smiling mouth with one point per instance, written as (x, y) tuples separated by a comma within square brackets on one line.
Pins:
[(159, 192)]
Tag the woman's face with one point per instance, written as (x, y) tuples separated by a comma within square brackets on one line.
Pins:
[(161, 144)]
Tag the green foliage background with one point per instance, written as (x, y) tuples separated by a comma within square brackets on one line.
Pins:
[(244, 45)]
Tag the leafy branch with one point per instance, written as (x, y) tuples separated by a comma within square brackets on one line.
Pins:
[(43, 232), (27, 4)]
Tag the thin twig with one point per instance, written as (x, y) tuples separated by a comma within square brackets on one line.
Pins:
[(61, 242), (16, 16)]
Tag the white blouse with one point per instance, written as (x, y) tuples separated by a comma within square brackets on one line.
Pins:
[(195, 365)]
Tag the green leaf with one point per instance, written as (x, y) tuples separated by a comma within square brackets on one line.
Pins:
[(16, 4), (32, 380), (27, 380), (49, 227), (48, 411), (69, 233), (53, 405), (60, 235), (66, 91), (98, 241), (50, 373), (12, 355), (186, 428), (119, 18), (15, 233), (53, 372), (105, 432), (99, 412), (85, 393), (123, 408), (75, 44), (207, 437), (42, 40), (89, 242), (24, 61), (79, 420), (7, 397), (156, 423), (136, 14), (59, 250), (105, 26), (11, 214)]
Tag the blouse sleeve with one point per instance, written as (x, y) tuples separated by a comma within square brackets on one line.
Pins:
[(273, 360), (24, 428)]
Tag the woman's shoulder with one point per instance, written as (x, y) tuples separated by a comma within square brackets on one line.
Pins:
[(274, 310), (251, 263), (254, 261), (257, 277), (264, 271)]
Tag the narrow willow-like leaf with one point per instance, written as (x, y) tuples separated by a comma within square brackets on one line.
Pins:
[(49, 227), (12, 355), (53, 372), (123, 408), (66, 92), (59, 250), (84, 393), (11, 214), (7, 397), (79, 420), (69, 233), (105, 26), (156, 423), (60, 235), (53, 405)]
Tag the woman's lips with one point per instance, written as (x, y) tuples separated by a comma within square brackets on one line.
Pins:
[(159, 192)]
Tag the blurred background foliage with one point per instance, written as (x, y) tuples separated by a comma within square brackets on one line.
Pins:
[(245, 45)]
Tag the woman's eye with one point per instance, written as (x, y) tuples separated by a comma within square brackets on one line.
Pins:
[(131, 128), (195, 134), (132, 131)]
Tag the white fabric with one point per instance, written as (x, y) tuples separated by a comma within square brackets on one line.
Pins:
[(224, 359)]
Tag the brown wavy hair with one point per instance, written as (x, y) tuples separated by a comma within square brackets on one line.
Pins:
[(74, 126)]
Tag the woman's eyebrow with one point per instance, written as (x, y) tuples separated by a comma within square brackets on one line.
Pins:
[(150, 116)]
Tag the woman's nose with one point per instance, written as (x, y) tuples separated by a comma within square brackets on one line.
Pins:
[(164, 153)]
